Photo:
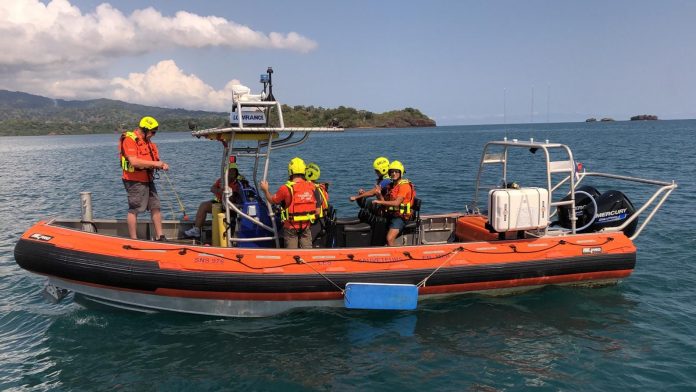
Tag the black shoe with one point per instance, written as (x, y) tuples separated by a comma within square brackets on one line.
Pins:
[(162, 238)]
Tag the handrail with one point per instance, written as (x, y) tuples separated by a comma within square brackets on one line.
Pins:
[(666, 188), (572, 180)]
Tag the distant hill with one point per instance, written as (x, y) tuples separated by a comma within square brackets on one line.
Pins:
[(27, 114)]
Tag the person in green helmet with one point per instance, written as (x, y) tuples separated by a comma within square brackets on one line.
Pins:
[(312, 174)]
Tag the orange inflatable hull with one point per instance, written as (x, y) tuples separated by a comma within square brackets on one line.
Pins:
[(116, 267)]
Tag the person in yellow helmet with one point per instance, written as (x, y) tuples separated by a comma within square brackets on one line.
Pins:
[(397, 203), (381, 166), (299, 203), (139, 160), (235, 182)]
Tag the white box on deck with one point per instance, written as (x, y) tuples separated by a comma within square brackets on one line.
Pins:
[(518, 209)]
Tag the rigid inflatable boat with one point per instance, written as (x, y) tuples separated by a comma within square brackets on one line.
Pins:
[(561, 232)]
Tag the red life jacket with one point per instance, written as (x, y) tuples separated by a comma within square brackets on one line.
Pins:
[(303, 207), (146, 150)]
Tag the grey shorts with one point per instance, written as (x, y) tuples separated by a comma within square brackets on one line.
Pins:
[(142, 196), (295, 238)]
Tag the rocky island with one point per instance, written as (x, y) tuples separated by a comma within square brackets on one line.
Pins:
[(644, 117)]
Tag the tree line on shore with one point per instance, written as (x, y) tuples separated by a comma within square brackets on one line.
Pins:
[(26, 114)]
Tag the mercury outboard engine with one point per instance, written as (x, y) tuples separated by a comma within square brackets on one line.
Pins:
[(612, 208), (585, 207)]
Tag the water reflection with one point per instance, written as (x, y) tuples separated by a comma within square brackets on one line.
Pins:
[(511, 340)]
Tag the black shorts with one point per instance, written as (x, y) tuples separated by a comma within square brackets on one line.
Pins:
[(142, 196)]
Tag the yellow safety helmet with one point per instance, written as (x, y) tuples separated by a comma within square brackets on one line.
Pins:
[(313, 172), (296, 166), (381, 164), (148, 123), (396, 165)]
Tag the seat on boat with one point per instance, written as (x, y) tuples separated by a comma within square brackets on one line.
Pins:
[(413, 225), (351, 232), (324, 230), (473, 228)]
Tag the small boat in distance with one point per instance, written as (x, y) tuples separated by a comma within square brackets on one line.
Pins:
[(560, 232)]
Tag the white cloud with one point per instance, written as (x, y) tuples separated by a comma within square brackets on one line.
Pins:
[(57, 50), (35, 34), (165, 84)]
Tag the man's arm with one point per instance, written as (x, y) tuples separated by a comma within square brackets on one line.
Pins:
[(264, 187), (390, 203), (144, 164), (372, 192)]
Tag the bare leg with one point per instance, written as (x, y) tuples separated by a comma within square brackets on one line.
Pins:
[(132, 220), (391, 236), (157, 220), (203, 210)]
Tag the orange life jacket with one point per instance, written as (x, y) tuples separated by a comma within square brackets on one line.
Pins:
[(324, 198), (146, 150), (404, 209), (303, 207)]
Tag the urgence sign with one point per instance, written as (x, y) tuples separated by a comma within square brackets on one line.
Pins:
[(248, 117)]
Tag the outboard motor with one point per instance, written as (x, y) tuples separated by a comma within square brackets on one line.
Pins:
[(595, 212), (613, 209), (585, 206)]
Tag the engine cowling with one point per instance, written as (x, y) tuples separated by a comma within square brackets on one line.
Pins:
[(584, 208), (595, 211)]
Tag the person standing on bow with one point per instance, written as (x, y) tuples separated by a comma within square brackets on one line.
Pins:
[(398, 201), (381, 165), (139, 160), (299, 203)]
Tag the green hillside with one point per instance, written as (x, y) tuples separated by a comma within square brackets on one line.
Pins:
[(26, 114)]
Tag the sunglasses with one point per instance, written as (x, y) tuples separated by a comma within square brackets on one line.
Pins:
[(390, 172)]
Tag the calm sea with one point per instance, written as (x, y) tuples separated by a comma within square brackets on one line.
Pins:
[(637, 335)]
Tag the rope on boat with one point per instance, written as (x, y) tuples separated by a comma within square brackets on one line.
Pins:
[(178, 199), (425, 280), (169, 201), (350, 257), (299, 260)]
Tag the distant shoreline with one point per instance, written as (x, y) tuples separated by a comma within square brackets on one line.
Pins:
[(526, 126)]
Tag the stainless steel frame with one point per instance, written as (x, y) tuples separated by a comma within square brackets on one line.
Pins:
[(572, 178), (265, 145)]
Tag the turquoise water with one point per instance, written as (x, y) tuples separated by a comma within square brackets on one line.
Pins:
[(639, 334)]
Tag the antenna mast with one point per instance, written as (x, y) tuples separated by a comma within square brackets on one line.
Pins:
[(531, 114)]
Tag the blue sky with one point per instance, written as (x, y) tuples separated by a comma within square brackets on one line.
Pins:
[(460, 62)]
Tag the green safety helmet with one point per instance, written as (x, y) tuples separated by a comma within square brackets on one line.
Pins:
[(313, 172)]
